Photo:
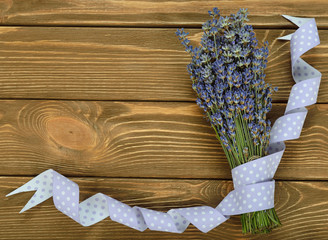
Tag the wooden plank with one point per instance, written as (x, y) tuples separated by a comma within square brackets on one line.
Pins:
[(301, 206), (129, 139), (154, 12), (122, 64)]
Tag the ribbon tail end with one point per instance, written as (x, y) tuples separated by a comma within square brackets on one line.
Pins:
[(287, 37), (19, 190), (25, 208), (12, 193), (286, 16)]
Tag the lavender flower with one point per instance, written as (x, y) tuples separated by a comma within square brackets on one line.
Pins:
[(227, 73)]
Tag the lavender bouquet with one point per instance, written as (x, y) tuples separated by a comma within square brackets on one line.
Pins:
[(227, 73)]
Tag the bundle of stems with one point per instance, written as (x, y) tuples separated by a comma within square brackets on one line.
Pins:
[(227, 73), (255, 222)]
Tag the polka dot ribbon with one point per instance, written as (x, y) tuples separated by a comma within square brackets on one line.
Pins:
[(253, 183)]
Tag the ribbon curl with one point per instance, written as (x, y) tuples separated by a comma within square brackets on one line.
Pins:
[(253, 184)]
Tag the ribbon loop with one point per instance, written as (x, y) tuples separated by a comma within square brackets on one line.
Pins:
[(254, 187), (248, 198), (258, 170)]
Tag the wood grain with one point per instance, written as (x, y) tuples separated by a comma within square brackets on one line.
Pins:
[(154, 12), (122, 64), (137, 139), (134, 131), (301, 206)]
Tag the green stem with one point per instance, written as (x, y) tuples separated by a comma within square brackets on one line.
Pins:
[(260, 222), (255, 222)]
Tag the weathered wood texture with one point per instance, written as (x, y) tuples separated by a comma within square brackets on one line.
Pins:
[(153, 12), (129, 139), (153, 129), (301, 206), (122, 64)]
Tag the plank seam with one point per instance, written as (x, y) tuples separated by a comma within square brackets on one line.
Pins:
[(147, 26), (159, 178)]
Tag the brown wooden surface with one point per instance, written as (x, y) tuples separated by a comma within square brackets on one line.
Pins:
[(302, 207), (98, 90), (123, 63), (145, 139), (154, 12)]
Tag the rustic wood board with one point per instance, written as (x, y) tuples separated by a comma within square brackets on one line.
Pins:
[(301, 206), (134, 131), (137, 139), (154, 13), (123, 64)]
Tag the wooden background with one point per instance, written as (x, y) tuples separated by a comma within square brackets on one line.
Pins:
[(98, 90)]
